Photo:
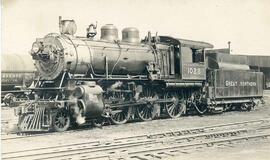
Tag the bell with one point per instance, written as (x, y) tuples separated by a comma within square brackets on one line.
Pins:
[(91, 31)]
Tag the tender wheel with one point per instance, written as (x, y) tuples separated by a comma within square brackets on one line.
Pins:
[(9, 99), (175, 108), (246, 106), (148, 111), (61, 120), (120, 116)]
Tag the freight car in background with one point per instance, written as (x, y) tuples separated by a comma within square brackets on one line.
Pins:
[(17, 73), (89, 80), (261, 64)]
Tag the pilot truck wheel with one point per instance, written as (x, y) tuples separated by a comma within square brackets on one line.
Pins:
[(60, 120)]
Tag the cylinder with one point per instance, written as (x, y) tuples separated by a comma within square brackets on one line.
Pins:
[(92, 101)]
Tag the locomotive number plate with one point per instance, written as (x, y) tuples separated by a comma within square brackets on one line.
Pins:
[(193, 71)]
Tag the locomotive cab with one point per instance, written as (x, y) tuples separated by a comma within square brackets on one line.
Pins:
[(188, 58)]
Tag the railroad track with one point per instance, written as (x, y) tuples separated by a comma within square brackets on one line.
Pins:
[(142, 146), (14, 135), (171, 151)]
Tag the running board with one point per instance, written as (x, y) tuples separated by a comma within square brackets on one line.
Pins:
[(229, 101)]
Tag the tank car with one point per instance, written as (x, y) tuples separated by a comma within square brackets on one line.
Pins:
[(84, 80), (17, 73)]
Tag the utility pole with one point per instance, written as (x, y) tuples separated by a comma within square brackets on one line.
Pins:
[(229, 46)]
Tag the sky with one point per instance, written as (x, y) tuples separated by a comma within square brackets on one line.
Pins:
[(246, 23)]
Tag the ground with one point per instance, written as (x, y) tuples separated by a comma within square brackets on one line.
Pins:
[(248, 151)]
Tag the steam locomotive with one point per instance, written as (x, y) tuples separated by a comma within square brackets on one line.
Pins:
[(83, 80)]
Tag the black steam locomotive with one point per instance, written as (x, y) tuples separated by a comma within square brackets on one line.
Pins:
[(82, 80)]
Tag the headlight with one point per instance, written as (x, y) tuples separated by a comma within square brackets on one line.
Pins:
[(35, 47)]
